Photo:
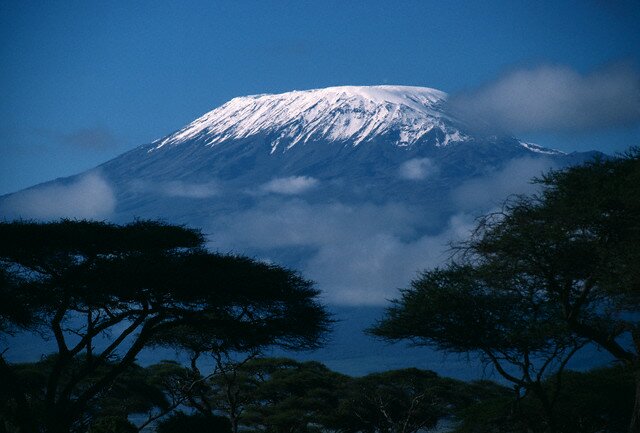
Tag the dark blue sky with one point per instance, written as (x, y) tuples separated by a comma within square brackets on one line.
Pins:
[(84, 81)]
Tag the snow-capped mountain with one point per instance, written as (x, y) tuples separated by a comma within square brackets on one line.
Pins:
[(358, 188), (400, 115), (347, 113), (360, 151)]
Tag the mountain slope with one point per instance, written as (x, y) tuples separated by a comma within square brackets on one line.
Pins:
[(325, 152), (390, 153), (358, 188)]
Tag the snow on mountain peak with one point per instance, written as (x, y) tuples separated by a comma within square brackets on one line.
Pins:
[(345, 113)]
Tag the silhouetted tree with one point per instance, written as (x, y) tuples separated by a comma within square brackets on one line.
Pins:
[(398, 401), (539, 278), (294, 396), (578, 242), (139, 283), (466, 309), (597, 401), (270, 394), (194, 423)]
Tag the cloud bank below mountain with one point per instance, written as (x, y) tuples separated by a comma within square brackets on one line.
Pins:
[(361, 253), (88, 197)]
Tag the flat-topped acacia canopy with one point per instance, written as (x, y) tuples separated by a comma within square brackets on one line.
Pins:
[(145, 283)]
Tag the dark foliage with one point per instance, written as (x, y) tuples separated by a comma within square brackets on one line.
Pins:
[(194, 423), (538, 280), (403, 401), (143, 284), (599, 401)]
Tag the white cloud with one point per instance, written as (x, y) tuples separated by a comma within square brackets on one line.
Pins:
[(361, 253), (554, 99), (90, 196), (177, 188), (190, 190), (492, 189), (370, 270), (418, 169), (357, 254), (290, 185), (96, 138), (292, 222)]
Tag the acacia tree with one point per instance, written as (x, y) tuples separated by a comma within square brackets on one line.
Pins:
[(149, 393), (292, 396), (227, 390), (460, 309), (397, 401), (135, 284), (597, 401), (238, 367), (580, 241), (575, 247), (16, 314), (270, 394)]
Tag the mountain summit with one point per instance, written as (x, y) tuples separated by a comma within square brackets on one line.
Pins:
[(355, 114)]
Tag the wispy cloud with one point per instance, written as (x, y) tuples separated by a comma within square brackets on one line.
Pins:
[(370, 270), (357, 253), (293, 222), (290, 185), (554, 99), (190, 190), (89, 196), (94, 138), (361, 253), (491, 189), (418, 169), (177, 188)]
